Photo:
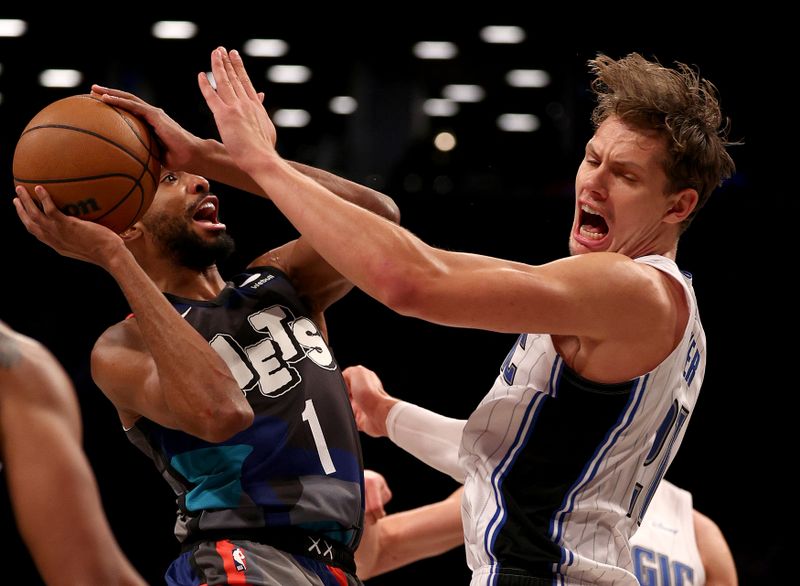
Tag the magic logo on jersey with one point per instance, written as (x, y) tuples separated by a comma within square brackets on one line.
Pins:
[(655, 569), (269, 364)]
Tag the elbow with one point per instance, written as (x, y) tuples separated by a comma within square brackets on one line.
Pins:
[(381, 204), (391, 212), (233, 422), (224, 419), (399, 290), (225, 424)]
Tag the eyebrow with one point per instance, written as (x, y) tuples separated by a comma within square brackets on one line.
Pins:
[(620, 163)]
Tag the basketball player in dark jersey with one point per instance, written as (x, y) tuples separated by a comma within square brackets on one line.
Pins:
[(50, 482), (228, 385)]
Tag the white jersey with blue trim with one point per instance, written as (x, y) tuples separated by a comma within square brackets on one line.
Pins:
[(560, 469), (664, 548)]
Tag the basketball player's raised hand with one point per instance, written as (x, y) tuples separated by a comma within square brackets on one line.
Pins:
[(246, 130), (179, 146), (67, 235)]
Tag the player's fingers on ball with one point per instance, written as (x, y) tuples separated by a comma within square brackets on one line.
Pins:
[(115, 93), (126, 103), (22, 212), (47, 202), (28, 203), (31, 225)]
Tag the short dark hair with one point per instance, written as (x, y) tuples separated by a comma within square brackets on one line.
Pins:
[(677, 104)]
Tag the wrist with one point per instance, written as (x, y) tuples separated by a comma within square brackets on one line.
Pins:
[(205, 151), (117, 259)]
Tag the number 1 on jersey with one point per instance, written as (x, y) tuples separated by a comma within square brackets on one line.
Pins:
[(310, 415)]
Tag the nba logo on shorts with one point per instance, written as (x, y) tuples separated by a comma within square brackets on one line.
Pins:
[(238, 560)]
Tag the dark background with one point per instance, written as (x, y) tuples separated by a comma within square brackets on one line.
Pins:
[(502, 194)]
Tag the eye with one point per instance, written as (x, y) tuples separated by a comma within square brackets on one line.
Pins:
[(169, 178)]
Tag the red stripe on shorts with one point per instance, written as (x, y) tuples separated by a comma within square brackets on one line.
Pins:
[(225, 550), (338, 574)]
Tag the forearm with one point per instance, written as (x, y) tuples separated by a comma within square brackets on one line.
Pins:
[(409, 536), (195, 383), (362, 196), (432, 438), (374, 254), (56, 500), (214, 162)]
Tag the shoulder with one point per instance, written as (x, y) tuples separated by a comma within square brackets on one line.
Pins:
[(614, 274), (710, 540), (278, 258), (122, 334), (28, 369), (611, 264), (705, 526), (714, 551)]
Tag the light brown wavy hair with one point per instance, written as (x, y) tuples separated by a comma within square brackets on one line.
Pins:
[(677, 104)]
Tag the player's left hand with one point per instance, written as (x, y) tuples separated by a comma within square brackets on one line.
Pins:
[(244, 125)]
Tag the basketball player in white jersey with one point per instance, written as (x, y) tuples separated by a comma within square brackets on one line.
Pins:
[(564, 454), (679, 546), (50, 482), (675, 545)]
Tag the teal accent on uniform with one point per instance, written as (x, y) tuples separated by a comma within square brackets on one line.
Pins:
[(217, 474)]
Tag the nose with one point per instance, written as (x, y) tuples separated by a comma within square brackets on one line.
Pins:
[(197, 184), (595, 183)]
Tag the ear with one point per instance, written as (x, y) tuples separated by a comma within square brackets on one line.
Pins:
[(132, 233), (680, 205)]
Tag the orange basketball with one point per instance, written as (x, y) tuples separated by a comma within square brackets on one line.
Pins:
[(98, 162)]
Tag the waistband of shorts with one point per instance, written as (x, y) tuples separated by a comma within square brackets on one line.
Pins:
[(288, 539)]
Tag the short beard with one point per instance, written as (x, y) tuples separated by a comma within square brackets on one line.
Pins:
[(187, 248)]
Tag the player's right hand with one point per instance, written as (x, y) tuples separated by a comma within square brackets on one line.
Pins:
[(67, 235)]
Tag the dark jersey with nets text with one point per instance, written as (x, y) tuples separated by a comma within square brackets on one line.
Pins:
[(299, 464)]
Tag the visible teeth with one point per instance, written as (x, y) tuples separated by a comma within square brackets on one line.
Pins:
[(592, 235), (589, 210)]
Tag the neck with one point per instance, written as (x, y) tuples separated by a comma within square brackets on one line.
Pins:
[(184, 282), (664, 244)]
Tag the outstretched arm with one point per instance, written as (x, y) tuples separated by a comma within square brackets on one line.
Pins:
[(402, 538), (314, 278), (53, 491), (399, 270), (714, 552)]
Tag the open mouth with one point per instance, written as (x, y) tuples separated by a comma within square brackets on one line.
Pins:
[(207, 212), (591, 224)]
